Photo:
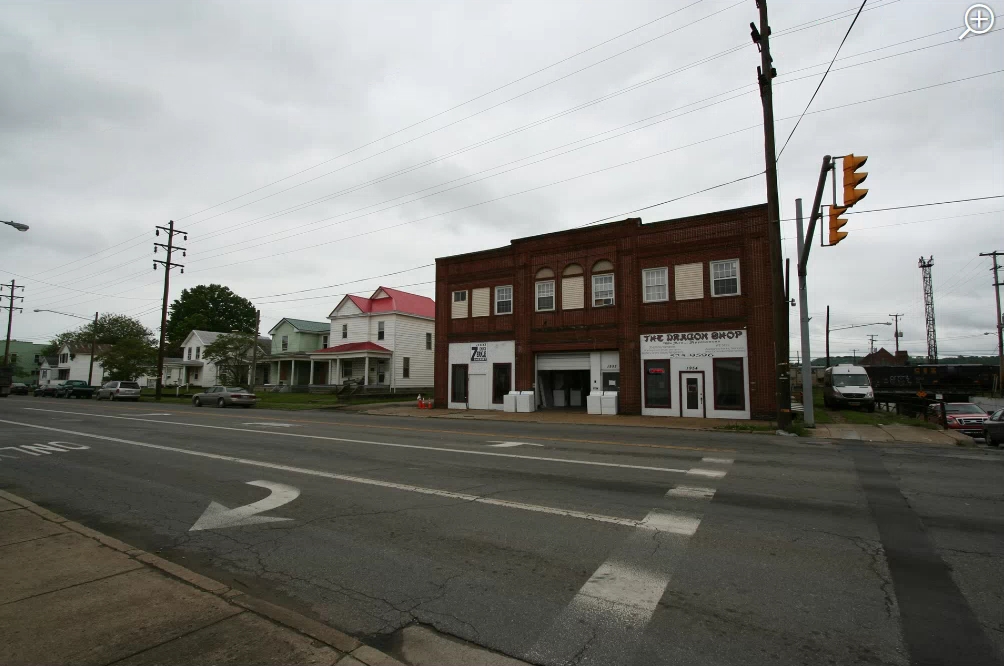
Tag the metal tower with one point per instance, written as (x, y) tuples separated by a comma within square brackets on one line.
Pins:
[(932, 335)]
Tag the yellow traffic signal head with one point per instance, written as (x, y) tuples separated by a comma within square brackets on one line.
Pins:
[(835, 223), (852, 179)]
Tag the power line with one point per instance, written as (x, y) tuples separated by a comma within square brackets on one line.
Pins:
[(846, 34)]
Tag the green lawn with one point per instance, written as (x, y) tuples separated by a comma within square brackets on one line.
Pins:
[(290, 401), (826, 415)]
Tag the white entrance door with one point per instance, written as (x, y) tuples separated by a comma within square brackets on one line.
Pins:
[(478, 396), (692, 394)]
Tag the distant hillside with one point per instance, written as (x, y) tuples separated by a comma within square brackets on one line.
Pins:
[(914, 360)]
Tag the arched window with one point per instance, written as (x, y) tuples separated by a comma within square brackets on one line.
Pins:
[(603, 283), (573, 292), (544, 290)]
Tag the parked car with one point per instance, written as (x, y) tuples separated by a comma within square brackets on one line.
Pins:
[(75, 388), (847, 386), (18, 389), (964, 417), (993, 428), (119, 391), (47, 391), (224, 396)]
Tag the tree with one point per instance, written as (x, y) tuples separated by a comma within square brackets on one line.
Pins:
[(232, 352), (129, 358), (110, 329), (210, 307)]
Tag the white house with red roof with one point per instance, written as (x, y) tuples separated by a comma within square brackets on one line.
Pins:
[(385, 340)]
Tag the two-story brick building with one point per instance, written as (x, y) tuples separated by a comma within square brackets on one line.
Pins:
[(674, 315)]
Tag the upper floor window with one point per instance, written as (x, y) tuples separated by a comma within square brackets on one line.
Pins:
[(573, 290), (285, 342), (324, 342), (380, 333), (603, 283), (459, 305), (656, 284), (725, 277), (197, 350), (481, 302), (545, 290), (13, 358), (689, 281), (38, 359), (428, 340), (503, 300), (345, 331), (189, 353)]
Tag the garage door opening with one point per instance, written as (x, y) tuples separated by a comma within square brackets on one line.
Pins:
[(563, 389)]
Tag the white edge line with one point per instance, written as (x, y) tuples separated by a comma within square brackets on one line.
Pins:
[(274, 433), (568, 513)]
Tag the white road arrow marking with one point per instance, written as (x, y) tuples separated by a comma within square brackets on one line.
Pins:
[(509, 445), (218, 516)]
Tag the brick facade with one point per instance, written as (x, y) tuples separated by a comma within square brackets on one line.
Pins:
[(632, 247)]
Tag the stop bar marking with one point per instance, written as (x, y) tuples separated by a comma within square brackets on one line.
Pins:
[(664, 524), (706, 473)]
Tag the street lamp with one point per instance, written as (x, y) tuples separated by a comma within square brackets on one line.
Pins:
[(16, 225), (94, 338)]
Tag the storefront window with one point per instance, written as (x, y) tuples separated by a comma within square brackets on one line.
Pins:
[(501, 381), (730, 384), (657, 392), (459, 383)]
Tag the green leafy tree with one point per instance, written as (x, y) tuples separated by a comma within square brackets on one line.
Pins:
[(110, 329), (232, 353), (129, 358), (211, 307)]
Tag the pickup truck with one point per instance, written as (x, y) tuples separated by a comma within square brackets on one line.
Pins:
[(75, 388)]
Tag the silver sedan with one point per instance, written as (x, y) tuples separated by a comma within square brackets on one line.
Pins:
[(225, 396)]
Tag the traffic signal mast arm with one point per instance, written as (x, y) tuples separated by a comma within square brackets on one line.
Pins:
[(803, 260)]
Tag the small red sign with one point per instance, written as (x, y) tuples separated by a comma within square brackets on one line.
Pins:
[(656, 371)]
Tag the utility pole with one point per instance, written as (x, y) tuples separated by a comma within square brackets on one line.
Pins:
[(932, 335), (94, 345), (855, 352), (10, 314), (766, 72), (170, 248), (827, 336), (896, 334), (1000, 322), (254, 351)]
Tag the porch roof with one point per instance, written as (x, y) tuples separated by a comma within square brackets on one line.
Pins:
[(352, 348)]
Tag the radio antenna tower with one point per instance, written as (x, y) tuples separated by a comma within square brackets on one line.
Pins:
[(932, 335)]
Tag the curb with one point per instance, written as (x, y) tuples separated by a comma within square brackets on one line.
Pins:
[(355, 651)]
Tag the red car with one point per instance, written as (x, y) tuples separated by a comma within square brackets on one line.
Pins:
[(965, 417)]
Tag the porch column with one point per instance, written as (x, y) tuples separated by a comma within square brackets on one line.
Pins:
[(338, 371), (366, 371), (311, 380), (292, 371)]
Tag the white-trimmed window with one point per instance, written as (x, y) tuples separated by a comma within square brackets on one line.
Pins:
[(284, 344), (380, 330), (503, 300), (459, 305), (656, 284), (603, 290), (545, 295), (725, 278), (345, 331)]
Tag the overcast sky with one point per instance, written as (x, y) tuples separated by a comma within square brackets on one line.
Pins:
[(117, 116)]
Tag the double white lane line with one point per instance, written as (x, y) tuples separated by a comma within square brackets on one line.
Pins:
[(608, 616)]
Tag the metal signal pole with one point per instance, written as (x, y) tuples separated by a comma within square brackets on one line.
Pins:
[(170, 248), (766, 72), (254, 351)]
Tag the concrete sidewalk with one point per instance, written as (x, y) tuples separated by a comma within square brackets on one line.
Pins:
[(864, 433), (70, 595)]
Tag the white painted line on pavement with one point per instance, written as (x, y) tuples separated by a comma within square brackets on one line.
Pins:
[(709, 473), (695, 472), (508, 445), (156, 414), (691, 492), (718, 461), (626, 586), (674, 523), (567, 513), (269, 424)]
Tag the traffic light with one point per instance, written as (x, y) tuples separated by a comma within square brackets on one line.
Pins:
[(852, 194), (836, 235)]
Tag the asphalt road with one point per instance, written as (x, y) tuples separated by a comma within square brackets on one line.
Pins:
[(552, 544)]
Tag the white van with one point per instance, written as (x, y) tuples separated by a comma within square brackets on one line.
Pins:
[(848, 386)]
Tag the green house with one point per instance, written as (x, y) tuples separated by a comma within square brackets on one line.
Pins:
[(292, 342), (26, 357)]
